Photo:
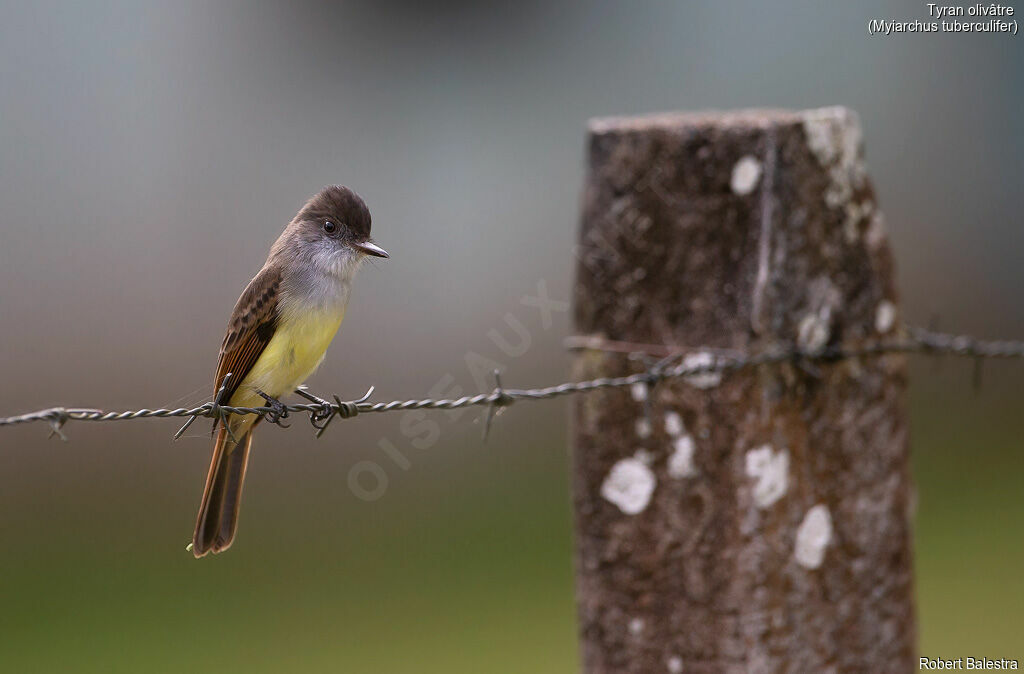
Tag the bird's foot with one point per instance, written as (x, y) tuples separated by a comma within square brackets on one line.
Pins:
[(277, 412)]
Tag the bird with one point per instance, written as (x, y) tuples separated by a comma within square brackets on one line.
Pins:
[(276, 338)]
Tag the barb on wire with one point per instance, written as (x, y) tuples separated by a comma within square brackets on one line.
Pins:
[(321, 412), (499, 400)]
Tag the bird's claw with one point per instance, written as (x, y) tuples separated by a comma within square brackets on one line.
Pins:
[(278, 410)]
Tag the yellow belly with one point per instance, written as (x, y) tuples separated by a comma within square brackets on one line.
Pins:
[(293, 354)]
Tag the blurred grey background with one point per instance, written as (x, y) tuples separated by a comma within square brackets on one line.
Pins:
[(151, 152)]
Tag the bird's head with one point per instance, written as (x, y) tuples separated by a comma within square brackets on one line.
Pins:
[(332, 231)]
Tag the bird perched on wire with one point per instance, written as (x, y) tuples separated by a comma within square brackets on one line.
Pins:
[(277, 336)]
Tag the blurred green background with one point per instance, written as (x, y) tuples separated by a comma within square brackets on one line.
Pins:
[(151, 152)]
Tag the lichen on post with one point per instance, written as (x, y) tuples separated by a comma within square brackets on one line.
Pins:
[(757, 521)]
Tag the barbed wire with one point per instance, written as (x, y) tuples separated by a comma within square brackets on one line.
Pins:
[(711, 362)]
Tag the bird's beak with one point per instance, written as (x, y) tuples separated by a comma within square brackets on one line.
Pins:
[(370, 248)]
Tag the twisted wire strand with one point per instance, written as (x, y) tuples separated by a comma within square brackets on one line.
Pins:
[(915, 340)]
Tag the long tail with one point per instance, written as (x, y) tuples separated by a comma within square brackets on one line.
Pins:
[(218, 513)]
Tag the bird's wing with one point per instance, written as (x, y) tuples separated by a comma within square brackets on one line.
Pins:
[(251, 328)]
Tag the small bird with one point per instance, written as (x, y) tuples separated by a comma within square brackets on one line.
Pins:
[(277, 337)]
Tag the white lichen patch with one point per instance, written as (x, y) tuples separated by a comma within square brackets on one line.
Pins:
[(636, 626), (646, 456), (639, 392), (680, 461), (704, 380), (674, 424), (812, 537), (885, 316), (851, 222), (855, 214), (834, 136), (876, 234), (820, 132), (643, 427), (815, 329), (771, 470), (745, 175), (629, 485), (675, 664), (813, 333)]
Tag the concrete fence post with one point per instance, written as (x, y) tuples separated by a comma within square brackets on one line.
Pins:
[(758, 522)]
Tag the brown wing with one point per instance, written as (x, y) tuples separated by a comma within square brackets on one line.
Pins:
[(252, 325)]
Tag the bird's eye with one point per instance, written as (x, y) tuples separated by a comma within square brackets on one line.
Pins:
[(330, 227)]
